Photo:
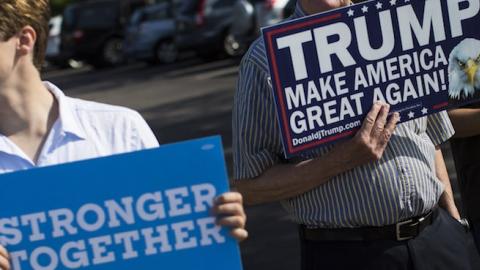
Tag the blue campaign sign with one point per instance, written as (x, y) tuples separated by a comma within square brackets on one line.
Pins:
[(328, 69), (144, 210)]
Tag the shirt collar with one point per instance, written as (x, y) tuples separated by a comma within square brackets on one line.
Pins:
[(68, 123)]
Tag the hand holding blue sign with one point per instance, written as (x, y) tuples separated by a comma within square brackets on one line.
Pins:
[(144, 210), (229, 209), (4, 259)]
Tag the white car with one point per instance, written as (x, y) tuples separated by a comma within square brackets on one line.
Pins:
[(53, 46), (250, 16), (270, 12)]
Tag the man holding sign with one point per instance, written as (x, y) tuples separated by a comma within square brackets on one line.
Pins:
[(40, 126), (381, 200)]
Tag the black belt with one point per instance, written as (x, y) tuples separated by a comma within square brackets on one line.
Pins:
[(401, 231)]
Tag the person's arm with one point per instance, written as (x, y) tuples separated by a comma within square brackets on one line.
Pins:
[(466, 122), (283, 181), (447, 201), (4, 259)]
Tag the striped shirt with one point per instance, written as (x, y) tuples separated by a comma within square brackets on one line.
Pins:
[(401, 185)]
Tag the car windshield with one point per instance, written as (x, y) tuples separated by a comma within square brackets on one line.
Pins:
[(188, 7), (153, 13), (95, 15)]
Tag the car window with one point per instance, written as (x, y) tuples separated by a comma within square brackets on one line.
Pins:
[(97, 16), (222, 3), (69, 17), (160, 13), (188, 7), (136, 18)]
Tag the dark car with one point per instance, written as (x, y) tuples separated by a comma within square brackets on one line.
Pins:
[(251, 15), (203, 26), (150, 34), (93, 31)]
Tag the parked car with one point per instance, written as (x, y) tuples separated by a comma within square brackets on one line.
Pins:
[(150, 34), (251, 15), (271, 12), (52, 54), (203, 26), (93, 30)]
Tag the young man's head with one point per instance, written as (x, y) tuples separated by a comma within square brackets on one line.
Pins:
[(23, 31)]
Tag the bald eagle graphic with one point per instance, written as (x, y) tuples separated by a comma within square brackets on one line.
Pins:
[(464, 69)]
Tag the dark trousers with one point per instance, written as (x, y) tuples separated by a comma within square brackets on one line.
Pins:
[(440, 246), (476, 234)]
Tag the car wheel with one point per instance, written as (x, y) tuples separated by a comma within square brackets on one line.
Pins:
[(166, 52), (231, 46), (112, 53)]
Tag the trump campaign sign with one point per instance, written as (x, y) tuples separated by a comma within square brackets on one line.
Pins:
[(328, 69), (142, 210)]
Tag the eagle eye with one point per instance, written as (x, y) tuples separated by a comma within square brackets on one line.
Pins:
[(461, 64), (478, 59)]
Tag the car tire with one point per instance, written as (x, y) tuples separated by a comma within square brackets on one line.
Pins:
[(166, 52), (231, 46), (112, 53)]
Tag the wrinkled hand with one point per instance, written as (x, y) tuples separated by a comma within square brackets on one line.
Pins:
[(371, 140), (230, 213), (4, 259)]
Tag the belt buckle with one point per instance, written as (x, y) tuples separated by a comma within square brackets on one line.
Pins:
[(398, 227)]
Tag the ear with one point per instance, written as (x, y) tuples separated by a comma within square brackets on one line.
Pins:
[(26, 40)]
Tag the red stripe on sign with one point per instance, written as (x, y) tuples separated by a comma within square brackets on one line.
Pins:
[(307, 23), (276, 78), (441, 105), (279, 91), (326, 140)]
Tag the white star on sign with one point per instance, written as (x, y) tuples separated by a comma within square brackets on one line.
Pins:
[(424, 110), (350, 12), (364, 9), (393, 2), (411, 114), (379, 5)]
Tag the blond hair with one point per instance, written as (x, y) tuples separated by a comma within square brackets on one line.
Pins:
[(16, 14)]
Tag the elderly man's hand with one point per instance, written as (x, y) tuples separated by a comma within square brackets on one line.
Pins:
[(4, 259), (371, 140), (230, 213)]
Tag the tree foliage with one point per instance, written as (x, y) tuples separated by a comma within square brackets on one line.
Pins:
[(58, 6)]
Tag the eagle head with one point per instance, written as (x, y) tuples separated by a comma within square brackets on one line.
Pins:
[(464, 69)]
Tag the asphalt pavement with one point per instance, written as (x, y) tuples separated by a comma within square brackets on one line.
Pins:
[(188, 100)]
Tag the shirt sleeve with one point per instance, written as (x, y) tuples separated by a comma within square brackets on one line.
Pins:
[(143, 137), (256, 137), (439, 128)]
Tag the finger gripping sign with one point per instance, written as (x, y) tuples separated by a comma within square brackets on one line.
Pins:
[(143, 210), (328, 69)]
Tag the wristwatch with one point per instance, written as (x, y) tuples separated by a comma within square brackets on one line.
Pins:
[(465, 224)]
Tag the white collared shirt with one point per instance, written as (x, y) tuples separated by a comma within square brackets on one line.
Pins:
[(83, 130)]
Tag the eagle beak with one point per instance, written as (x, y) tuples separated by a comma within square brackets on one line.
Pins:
[(471, 70)]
